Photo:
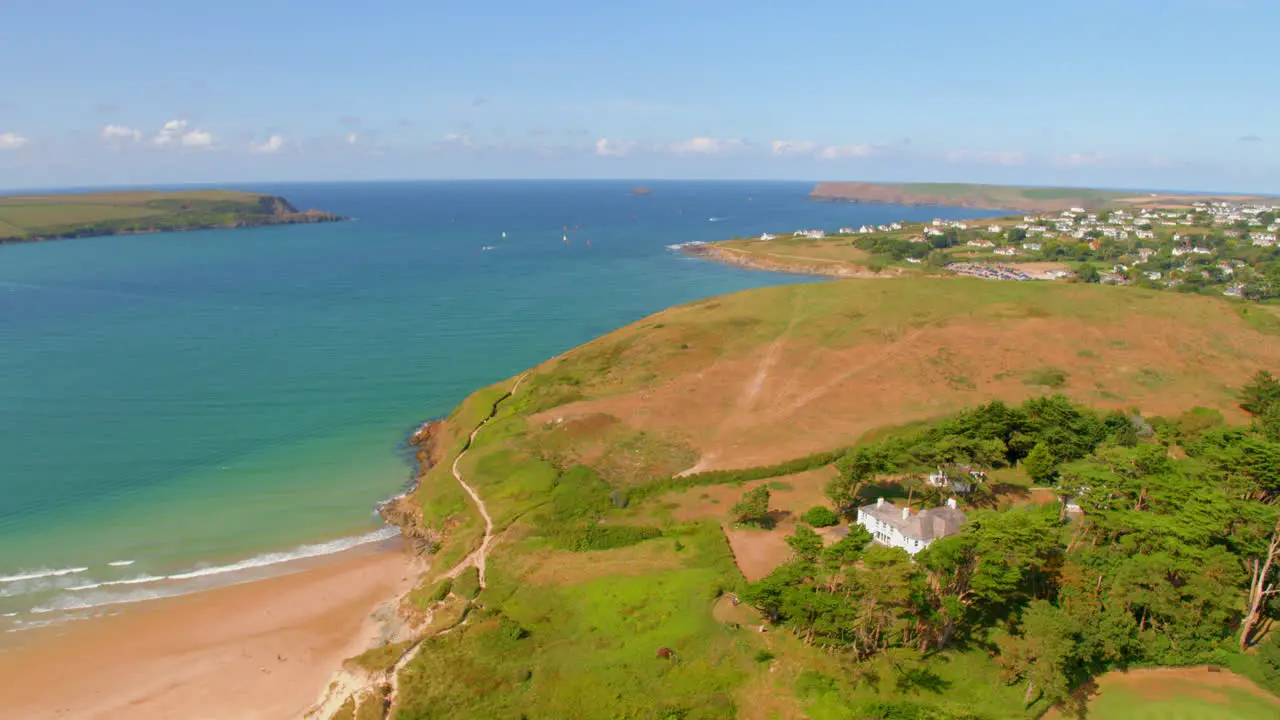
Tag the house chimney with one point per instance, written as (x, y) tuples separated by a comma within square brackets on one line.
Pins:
[(879, 502), (906, 513), (951, 503)]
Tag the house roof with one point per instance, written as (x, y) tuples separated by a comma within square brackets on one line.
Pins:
[(928, 524)]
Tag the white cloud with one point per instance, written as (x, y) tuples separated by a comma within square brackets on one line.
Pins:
[(1004, 157), (170, 133), (458, 139), (793, 147), (835, 152), (120, 133), (1079, 159), (175, 132), (12, 141), (353, 138), (197, 139), (705, 146), (613, 148), (273, 144)]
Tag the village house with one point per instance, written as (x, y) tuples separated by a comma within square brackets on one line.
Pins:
[(767, 236), (846, 231), (911, 531), (993, 228), (1263, 239), (1006, 251), (980, 243), (959, 478), (1032, 246), (864, 229), (814, 234)]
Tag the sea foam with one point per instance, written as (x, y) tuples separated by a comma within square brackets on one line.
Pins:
[(38, 574), (84, 598)]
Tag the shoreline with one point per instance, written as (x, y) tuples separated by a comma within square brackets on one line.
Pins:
[(277, 641), (281, 640)]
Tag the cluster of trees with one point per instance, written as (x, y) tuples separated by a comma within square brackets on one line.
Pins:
[(1173, 559), (1050, 429)]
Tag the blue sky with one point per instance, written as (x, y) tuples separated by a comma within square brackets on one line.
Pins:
[(1118, 93)]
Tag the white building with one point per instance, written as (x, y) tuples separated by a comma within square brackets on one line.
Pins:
[(766, 236), (911, 531)]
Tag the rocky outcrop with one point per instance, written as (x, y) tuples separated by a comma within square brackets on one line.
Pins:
[(404, 511)]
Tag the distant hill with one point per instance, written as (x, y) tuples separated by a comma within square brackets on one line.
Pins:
[(998, 197), (27, 218)]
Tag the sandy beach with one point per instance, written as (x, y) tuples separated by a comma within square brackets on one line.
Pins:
[(261, 650)]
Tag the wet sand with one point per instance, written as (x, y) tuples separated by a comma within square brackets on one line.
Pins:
[(261, 650)]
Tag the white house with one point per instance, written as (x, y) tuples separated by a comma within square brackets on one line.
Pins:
[(993, 228), (766, 236), (815, 234), (913, 532), (1006, 251), (980, 243)]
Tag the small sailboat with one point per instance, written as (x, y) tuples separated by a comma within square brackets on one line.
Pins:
[(565, 238), (504, 234)]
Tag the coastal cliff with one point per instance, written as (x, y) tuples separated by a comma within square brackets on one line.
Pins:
[(34, 218), (404, 511)]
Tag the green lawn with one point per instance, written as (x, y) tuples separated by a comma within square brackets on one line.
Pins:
[(1230, 704)]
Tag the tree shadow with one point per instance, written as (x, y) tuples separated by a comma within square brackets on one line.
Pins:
[(1076, 705), (1008, 492), (921, 679)]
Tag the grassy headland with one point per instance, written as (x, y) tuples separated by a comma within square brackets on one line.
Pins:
[(610, 473), (26, 218)]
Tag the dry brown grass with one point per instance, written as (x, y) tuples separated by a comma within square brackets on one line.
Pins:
[(810, 368), (756, 551)]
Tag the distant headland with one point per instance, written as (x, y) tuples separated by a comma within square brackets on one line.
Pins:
[(30, 218), (1002, 197)]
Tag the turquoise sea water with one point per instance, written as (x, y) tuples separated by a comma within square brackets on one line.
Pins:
[(206, 405)]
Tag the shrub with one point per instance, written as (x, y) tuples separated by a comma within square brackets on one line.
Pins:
[(820, 516), (1050, 377), (467, 585), (753, 508), (511, 629), (764, 656), (588, 537)]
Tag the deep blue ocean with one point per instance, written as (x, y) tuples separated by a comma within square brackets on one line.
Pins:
[(184, 409)]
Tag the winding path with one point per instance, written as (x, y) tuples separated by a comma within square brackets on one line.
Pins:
[(478, 557), (346, 684)]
